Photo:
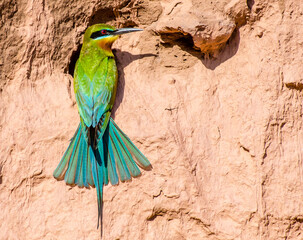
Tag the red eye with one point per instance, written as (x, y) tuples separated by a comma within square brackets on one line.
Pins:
[(103, 31)]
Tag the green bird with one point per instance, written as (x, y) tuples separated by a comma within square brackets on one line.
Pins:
[(99, 151)]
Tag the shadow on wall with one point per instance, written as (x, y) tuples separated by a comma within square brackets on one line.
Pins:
[(210, 61), (123, 59), (230, 49)]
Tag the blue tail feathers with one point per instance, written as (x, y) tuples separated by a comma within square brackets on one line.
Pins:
[(115, 158)]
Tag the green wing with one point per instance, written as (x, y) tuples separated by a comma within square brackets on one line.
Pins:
[(95, 90)]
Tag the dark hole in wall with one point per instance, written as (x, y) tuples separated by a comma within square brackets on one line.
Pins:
[(184, 41), (250, 4), (103, 15), (73, 60), (0, 174)]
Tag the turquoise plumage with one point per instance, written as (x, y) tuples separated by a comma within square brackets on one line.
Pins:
[(99, 152)]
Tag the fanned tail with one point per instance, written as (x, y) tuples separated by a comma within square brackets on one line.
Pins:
[(126, 151), (114, 158), (75, 166)]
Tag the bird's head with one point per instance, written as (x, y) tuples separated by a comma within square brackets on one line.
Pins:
[(103, 35)]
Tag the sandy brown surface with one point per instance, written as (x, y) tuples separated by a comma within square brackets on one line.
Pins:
[(211, 92)]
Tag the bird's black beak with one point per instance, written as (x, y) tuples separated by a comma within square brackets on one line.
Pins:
[(125, 30)]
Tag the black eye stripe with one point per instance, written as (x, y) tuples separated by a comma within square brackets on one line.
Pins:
[(103, 32)]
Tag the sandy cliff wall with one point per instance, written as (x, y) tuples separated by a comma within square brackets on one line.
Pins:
[(211, 92)]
